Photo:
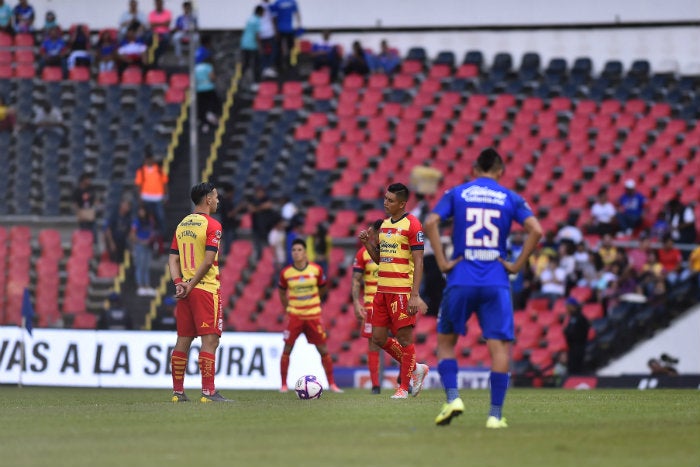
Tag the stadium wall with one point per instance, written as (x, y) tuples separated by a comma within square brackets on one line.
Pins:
[(662, 32)]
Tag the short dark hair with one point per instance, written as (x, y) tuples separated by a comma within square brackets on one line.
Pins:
[(489, 160), (259, 10), (201, 190), (299, 241), (376, 225), (400, 190)]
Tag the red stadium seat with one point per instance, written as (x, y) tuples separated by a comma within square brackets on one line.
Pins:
[(292, 88), (353, 81), (24, 40), (133, 76), (263, 103), (156, 77), (25, 71), (323, 93), (79, 73), (320, 78), (467, 70), (108, 78), (5, 39), (180, 81), (378, 81)]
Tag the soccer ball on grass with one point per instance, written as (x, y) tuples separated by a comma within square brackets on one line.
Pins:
[(308, 387)]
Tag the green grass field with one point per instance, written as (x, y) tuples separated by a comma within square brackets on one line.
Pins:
[(126, 427)]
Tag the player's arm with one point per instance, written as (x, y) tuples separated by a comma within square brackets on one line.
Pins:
[(283, 298), (415, 303), (534, 234), (432, 231), (175, 274), (356, 299), (372, 248)]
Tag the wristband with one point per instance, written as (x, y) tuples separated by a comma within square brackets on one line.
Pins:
[(177, 280)]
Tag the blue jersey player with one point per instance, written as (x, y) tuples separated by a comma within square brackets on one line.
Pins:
[(482, 212)]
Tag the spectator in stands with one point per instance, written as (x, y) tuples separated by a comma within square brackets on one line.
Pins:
[(681, 219), (652, 274), (319, 245), (117, 231), (568, 232), (250, 45), (576, 333), (208, 103), (106, 51), (159, 19), (204, 50), (519, 288), (132, 52), (602, 215), (134, 18), (115, 317), (86, 203), (607, 250), (552, 280), (165, 316), (185, 26), (386, 61), (289, 210), (24, 17), (263, 216), (50, 22), (267, 35), (291, 234), (325, 55), (79, 46), (568, 263), (637, 256), (284, 12), (5, 18), (231, 213), (48, 120), (142, 236), (152, 185), (671, 260), (357, 62), (660, 228), (277, 239), (7, 116), (54, 50), (630, 208), (606, 283)]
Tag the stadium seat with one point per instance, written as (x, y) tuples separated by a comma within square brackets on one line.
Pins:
[(156, 77), (132, 76), (180, 81), (25, 71), (79, 73), (107, 78)]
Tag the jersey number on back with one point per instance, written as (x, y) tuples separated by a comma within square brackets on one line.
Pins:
[(481, 219)]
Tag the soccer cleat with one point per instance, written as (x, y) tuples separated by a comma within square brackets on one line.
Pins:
[(335, 388), (449, 411), (418, 377), (376, 390), (400, 394), (180, 397), (493, 422), (284, 388), (216, 397)]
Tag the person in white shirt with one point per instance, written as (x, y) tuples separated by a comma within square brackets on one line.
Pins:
[(602, 215), (267, 34)]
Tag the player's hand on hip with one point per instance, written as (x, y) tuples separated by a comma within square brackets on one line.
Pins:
[(510, 267), (447, 267)]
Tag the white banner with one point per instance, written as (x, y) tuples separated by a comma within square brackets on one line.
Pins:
[(141, 359)]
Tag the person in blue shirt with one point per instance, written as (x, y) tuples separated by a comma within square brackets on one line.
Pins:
[(250, 44), (630, 208), (24, 17), (284, 13), (482, 212)]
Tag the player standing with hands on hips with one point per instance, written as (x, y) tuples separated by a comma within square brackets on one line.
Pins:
[(482, 212), (399, 255), (194, 268)]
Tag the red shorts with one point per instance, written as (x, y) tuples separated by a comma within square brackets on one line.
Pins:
[(199, 314), (311, 327), (391, 311), (367, 322)]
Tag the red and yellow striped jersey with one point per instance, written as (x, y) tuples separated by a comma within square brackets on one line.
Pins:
[(370, 273), (303, 289), (194, 235), (397, 240)]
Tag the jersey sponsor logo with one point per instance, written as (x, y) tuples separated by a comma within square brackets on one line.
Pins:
[(482, 194)]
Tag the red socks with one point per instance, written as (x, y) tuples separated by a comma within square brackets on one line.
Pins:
[(207, 367), (373, 364), (327, 363), (393, 348), (178, 363), (284, 367), (408, 364)]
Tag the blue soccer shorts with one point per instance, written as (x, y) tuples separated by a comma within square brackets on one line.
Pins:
[(492, 305)]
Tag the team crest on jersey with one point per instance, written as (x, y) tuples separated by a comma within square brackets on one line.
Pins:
[(388, 234)]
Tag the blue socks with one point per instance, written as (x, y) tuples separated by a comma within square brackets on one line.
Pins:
[(448, 374), (499, 386)]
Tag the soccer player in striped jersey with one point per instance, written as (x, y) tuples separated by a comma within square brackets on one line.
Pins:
[(301, 286), (482, 212), (194, 268), (399, 253)]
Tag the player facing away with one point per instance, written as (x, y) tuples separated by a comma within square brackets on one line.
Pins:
[(301, 286), (399, 254), (477, 276), (193, 264)]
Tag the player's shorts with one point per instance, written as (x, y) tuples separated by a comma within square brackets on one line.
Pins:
[(199, 314), (311, 327), (367, 322), (493, 307), (391, 311)]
